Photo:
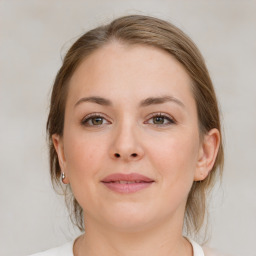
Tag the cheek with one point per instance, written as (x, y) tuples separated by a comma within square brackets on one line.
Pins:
[(84, 155), (175, 158), (175, 162)]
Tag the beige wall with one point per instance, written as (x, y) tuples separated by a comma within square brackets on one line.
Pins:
[(34, 36)]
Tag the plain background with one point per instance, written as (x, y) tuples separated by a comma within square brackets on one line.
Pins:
[(35, 36)]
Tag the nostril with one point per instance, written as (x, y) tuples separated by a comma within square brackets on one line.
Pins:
[(117, 155)]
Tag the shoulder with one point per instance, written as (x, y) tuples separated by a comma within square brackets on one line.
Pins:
[(63, 250)]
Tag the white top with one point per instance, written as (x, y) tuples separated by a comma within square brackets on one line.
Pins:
[(67, 250)]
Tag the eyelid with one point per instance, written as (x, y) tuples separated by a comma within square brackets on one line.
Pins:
[(156, 114), (161, 114), (91, 115)]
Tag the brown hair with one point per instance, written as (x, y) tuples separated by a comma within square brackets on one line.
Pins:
[(137, 29)]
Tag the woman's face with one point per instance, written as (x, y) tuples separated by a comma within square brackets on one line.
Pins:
[(130, 148)]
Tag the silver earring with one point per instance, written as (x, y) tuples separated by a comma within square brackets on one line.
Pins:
[(63, 176)]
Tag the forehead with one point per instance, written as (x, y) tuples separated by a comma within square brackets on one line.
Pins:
[(129, 71)]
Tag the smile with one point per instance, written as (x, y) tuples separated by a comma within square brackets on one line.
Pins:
[(127, 183)]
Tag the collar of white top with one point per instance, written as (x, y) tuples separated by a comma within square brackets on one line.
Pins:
[(197, 249)]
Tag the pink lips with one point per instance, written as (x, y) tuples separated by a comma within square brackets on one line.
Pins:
[(127, 183)]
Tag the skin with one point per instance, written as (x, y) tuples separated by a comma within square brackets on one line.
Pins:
[(166, 149)]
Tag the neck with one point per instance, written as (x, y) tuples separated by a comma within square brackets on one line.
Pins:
[(164, 240)]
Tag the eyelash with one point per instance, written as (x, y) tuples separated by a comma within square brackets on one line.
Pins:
[(88, 118), (165, 116)]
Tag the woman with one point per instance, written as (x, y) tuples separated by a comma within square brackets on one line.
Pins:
[(134, 132)]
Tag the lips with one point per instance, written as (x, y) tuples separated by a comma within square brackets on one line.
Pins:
[(127, 183)]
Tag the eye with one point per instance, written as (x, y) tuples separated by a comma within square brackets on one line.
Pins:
[(94, 120), (160, 119)]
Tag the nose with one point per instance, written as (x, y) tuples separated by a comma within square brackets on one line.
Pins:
[(126, 144)]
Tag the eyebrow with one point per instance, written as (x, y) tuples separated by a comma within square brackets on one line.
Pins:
[(160, 100), (144, 103), (95, 99)]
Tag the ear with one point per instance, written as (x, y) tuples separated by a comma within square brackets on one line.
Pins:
[(207, 154), (59, 147)]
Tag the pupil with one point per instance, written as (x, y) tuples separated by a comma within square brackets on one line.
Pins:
[(97, 120), (158, 120)]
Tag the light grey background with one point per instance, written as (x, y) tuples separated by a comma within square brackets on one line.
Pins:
[(34, 37)]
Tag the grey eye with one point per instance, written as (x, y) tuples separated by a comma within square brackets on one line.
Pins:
[(158, 120), (94, 120), (97, 120), (161, 120)]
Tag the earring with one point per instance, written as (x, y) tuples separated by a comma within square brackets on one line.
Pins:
[(63, 176)]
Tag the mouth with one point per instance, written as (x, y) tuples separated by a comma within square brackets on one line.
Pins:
[(127, 183)]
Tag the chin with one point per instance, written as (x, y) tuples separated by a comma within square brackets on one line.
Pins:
[(130, 218)]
